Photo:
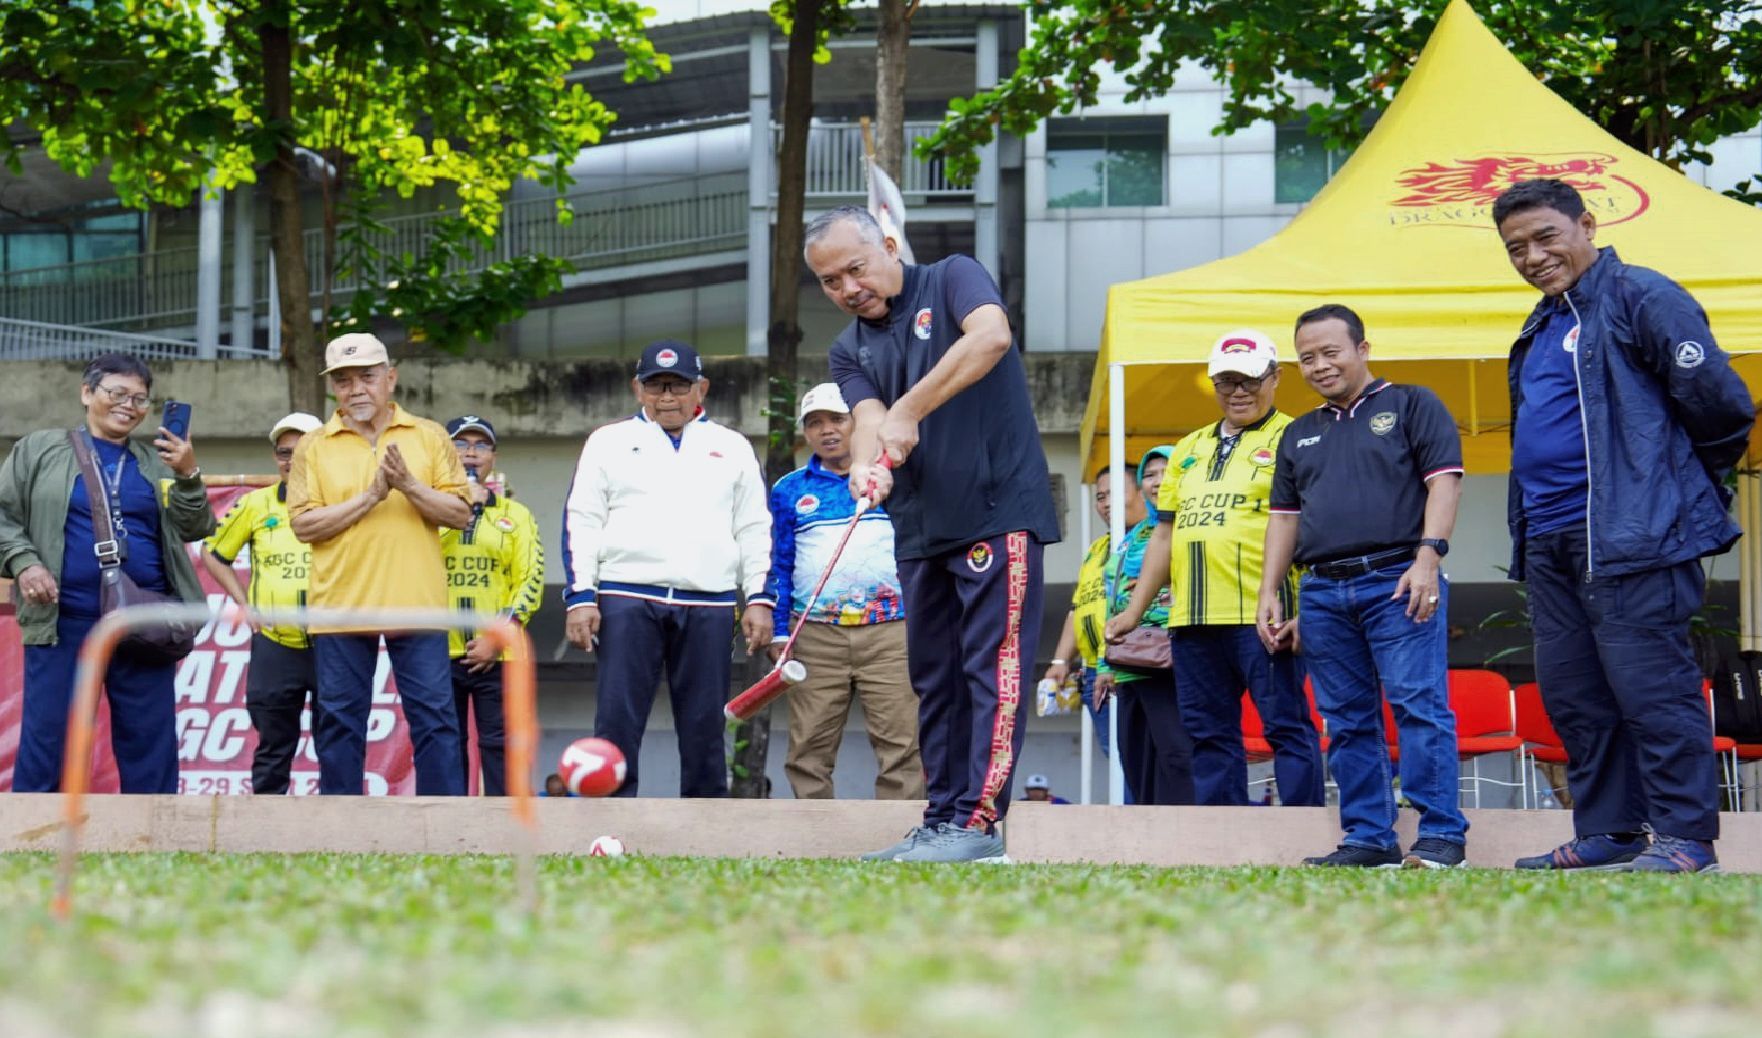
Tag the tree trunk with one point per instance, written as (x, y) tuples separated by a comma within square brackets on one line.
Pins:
[(752, 740), (299, 341), (892, 36)]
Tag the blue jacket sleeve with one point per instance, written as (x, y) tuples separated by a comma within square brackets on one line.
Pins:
[(1707, 397), (780, 584)]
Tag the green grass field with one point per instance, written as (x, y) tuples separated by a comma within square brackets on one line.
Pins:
[(320, 945)]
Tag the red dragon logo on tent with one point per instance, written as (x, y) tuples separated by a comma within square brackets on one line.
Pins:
[(1462, 191)]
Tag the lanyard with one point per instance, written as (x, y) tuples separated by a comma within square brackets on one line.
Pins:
[(112, 489)]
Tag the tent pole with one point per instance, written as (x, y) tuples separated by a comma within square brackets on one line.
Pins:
[(1086, 755), (1116, 530)]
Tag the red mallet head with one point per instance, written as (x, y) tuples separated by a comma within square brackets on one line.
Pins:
[(769, 687), (592, 768)]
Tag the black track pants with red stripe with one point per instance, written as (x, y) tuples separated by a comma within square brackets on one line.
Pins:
[(972, 620)]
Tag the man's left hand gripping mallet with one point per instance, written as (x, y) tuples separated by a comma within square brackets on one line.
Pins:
[(789, 671)]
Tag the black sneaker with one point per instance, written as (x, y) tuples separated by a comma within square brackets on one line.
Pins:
[(1431, 852), (1352, 856)]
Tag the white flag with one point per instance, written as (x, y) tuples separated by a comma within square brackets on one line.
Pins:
[(888, 208)]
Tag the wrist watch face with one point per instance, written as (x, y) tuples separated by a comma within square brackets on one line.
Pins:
[(1437, 544)]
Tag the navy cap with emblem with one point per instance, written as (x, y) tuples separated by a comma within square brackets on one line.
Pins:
[(669, 357), (472, 423)]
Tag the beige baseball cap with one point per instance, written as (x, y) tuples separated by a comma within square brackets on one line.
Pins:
[(823, 397), (354, 350), (1243, 352), (299, 422)]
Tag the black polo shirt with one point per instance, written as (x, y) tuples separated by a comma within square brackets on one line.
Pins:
[(1358, 475), (978, 470)]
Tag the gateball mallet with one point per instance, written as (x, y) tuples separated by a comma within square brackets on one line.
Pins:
[(789, 671)]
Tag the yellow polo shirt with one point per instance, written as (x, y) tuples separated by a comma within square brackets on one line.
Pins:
[(279, 562), (391, 557)]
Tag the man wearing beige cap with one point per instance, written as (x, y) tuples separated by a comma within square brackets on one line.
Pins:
[(281, 671), (853, 643), (368, 491), (1211, 525)]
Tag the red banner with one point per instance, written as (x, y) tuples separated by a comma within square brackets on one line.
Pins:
[(214, 733)]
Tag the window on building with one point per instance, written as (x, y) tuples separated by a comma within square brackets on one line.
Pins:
[(70, 236), (1302, 163), (1105, 163)]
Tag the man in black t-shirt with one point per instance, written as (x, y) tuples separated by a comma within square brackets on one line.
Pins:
[(933, 378), (1364, 493)]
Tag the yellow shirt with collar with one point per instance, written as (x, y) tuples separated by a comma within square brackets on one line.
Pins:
[(391, 557)]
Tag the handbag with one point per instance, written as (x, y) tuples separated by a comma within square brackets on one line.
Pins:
[(156, 644), (1142, 649)]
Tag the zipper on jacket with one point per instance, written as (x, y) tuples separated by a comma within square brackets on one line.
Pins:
[(1585, 430)]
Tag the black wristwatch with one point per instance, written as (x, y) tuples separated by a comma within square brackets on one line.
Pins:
[(1437, 544)]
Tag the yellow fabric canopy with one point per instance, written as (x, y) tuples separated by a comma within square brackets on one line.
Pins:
[(1404, 235)]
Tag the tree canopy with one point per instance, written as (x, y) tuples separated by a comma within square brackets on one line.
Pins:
[(1668, 77)]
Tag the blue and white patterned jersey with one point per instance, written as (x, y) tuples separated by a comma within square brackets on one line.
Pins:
[(810, 509)]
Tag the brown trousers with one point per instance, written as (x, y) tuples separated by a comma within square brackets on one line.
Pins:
[(845, 663)]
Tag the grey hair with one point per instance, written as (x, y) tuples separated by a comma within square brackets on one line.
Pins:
[(116, 364), (867, 227)]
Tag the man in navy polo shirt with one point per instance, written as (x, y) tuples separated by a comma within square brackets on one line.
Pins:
[(930, 370), (1364, 493), (1616, 375)]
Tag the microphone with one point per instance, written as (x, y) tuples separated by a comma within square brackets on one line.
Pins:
[(476, 505)]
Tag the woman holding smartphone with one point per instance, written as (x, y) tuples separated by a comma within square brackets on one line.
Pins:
[(48, 547)]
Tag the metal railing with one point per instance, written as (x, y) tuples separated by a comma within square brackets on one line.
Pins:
[(836, 163), (35, 340), (156, 290)]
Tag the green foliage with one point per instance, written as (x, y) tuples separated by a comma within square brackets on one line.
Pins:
[(353, 945), (835, 20), (397, 96), (1668, 77)]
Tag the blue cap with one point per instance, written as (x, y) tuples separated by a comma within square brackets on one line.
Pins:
[(472, 423), (669, 357)]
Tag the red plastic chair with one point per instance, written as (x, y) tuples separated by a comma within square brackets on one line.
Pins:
[(1486, 723), (1254, 733), (1726, 749), (1540, 741)]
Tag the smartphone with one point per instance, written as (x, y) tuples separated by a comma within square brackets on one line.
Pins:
[(176, 418)]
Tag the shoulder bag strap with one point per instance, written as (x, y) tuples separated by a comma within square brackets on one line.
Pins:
[(104, 545)]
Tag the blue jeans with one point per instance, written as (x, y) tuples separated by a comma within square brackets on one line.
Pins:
[(1353, 634), (143, 715), (346, 664), (1213, 664), (1623, 690)]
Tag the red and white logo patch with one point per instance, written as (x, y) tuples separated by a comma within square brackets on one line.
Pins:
[(807, 504), (922, 323), (980, 557), (1264, 456), (666, 358)]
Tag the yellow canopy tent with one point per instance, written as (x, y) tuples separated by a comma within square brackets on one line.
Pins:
[(1404, 235)]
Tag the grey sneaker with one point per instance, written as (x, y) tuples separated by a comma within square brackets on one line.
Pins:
[(889, 853), (950, 842)]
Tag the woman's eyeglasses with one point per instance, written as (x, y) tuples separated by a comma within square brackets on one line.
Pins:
[(121, 395)]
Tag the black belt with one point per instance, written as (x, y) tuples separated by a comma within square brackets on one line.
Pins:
[(1345, 569)]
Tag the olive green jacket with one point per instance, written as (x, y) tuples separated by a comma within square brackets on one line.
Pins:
[(35, 484)]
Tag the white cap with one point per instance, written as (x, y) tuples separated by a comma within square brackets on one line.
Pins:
[(1037, 782), (354, 350), (299, 422), (1243, 352), (823, 397)]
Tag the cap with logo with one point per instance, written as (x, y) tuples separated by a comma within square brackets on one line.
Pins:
[(669, 357), (299, 422), (823, 397), (472, 423), (1242, 352), (1037, 782), (354, 350)]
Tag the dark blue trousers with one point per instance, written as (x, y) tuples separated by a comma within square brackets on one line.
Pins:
[(972, 624), (481, 694), (1623, 690), (1213, 665), (143, 716), (346, 663), (637, 637), (1156, 753)]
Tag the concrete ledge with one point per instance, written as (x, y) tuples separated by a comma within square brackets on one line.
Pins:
[(753, 828)]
